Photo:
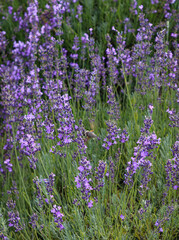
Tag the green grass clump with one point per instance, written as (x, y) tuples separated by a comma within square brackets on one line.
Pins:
[(119, 211)]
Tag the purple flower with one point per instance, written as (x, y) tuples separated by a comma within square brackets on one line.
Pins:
[(142, 153), (49, 183), (10, 8), (174, 35), (99, 174), (114, 134), (82, 180), (90, 204), (154, 1), (14, 220), (122, 217), (112, 62), (160, 230), (3, 237), (160, 222), (174, 118), (13, 190), (151, 107), (110, 172), (124, 137), (79, 13), (57, 216), (172, 168), (8, 165), (157, 223), (112, 103), (81, 168), (11, 204), (33, 220)]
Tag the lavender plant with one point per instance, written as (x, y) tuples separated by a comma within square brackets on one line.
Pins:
[(71, 66)]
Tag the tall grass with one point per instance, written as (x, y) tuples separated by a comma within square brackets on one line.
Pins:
[(50, 97)]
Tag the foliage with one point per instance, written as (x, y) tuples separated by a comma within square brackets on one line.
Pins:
[(89, 112)]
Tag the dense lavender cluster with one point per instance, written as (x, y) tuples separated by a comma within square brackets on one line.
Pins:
[(99, 175), (174, 118), (82, 180), (57, 216), (143, 154), (112, 62), (14, 220), (114, 106), (114, 134), (53, 86), (13, 216)]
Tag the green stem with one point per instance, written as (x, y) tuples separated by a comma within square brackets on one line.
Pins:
[(130, 102), (20, 169)]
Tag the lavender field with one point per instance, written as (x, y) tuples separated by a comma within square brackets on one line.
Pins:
[(89, 120)]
